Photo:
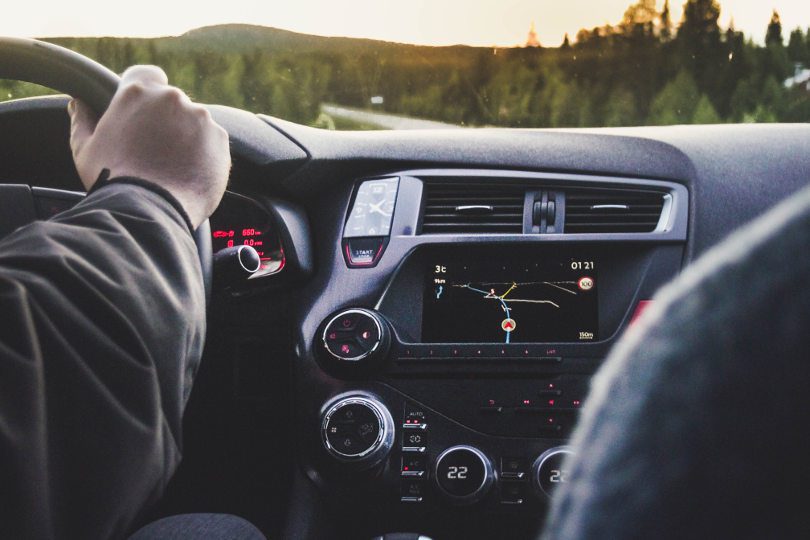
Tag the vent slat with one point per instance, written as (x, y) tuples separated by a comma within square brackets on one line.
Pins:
[(450, 198), (450, 210), (445, 226), (462, 216), (643, 217), (642, 214), (442, 199)]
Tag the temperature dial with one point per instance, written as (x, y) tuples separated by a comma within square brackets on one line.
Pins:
[(359, 430), (356, 334), (549, 469), (464, 474)]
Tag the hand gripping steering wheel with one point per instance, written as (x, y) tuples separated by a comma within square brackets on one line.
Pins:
[(66, 71)]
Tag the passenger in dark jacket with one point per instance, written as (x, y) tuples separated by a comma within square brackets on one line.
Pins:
[(698, 425)]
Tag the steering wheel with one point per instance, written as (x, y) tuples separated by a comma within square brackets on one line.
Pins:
[(66, 71)]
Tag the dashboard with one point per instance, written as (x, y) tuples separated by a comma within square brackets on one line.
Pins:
[(415, 350), (453, 383)]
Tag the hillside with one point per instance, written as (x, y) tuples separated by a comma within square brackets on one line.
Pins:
[(643, 71)]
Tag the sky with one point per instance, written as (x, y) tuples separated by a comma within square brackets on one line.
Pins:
[(427, 22)]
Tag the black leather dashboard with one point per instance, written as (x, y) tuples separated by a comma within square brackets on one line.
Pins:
[(511, 403)]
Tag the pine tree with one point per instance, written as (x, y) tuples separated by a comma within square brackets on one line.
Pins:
[(566, 44), (666, 23), (777, 64), (705, 113), (700, 50), (676, 103), (796, 50), (774, 34)]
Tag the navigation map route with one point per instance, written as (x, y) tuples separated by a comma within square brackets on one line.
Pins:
[(509, 324)]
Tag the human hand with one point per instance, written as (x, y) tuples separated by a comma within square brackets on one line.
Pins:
[(153, 131)]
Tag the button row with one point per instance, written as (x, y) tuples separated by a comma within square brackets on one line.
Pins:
[(488, 351), (414, 458), (549, 400)]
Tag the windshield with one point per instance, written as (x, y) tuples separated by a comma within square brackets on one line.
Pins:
[(452, 63)]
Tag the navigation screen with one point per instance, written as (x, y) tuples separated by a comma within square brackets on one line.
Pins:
[(475, 301)]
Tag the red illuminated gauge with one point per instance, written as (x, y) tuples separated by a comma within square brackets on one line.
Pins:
[(269, 250), (242, 221)]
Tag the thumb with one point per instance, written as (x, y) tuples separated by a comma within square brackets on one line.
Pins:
[(82, 125)]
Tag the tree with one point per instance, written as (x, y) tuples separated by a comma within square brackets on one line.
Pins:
[(676, 103), (773, 37), (744, 99), (807, 44), (705, 112), (620, 109), (797, 52), (566, 44), (699, 46), (740, 66), (700, 20), (771, 103), (666, 23), (639, 17)]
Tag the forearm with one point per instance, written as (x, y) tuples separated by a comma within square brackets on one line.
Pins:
[(103, 314)]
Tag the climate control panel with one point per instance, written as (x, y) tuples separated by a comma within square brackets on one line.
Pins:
[(419, 458)]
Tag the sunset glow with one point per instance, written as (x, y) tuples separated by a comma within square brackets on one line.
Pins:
[(429, 22)]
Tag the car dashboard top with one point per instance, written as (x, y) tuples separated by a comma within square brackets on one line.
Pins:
[(448, 294)]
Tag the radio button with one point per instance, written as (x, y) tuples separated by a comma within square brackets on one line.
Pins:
[(414, 438), (413, 491), (513, 468), (512, 492), (414, 417), (414, 465)]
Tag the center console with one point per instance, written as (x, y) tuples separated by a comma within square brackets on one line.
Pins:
[(442, 380)]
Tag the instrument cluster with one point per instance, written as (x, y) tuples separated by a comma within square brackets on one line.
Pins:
[(240, 220)]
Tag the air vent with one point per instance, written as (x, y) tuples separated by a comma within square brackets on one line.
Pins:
[(482, 208), (612, 210)]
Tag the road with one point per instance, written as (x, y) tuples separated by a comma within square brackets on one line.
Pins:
[(385, 121)]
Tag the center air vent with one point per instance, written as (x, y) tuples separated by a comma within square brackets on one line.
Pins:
[(612, 210), (483, 208)]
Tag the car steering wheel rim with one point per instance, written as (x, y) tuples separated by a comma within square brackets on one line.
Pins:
[(69, 72)]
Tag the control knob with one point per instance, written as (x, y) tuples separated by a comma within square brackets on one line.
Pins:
[(549, 470), (358, 430), (463, 474), (355, 335)]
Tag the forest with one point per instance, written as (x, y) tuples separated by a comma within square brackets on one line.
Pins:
[(647, 69)]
